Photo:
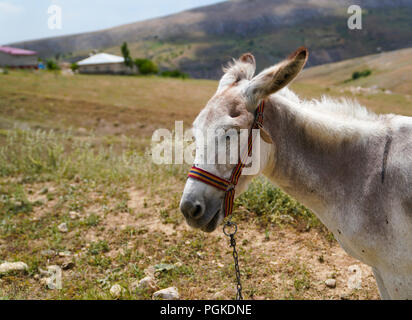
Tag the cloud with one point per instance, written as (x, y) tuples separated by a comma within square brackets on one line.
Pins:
[(8, 8)]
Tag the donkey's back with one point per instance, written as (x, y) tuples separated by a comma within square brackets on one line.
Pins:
[(400, 160), (387, 229)]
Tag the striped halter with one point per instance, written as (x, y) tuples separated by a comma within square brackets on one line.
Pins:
[(229, 185)]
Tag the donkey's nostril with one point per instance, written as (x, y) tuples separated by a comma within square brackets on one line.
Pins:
[(197, 212), (191, 209)]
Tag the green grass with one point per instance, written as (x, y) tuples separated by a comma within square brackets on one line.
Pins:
[(273, 206)]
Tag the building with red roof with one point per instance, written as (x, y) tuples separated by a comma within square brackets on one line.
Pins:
[(17, 58)]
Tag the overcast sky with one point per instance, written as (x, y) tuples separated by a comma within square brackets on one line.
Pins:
[(28, 19)]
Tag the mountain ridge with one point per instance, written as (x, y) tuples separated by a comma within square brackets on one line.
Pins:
[(199, 40)]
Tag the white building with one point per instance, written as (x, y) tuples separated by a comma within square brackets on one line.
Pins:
[(104, 63), (17, 58)]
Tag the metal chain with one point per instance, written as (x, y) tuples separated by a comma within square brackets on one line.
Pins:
[(229, 224)]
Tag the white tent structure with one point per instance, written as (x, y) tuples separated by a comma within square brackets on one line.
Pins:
[(104, 63)]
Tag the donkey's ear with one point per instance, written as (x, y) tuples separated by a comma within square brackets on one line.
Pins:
[(275, 78), (243, 68)]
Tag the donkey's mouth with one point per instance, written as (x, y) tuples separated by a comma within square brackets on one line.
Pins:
[(212, 225)]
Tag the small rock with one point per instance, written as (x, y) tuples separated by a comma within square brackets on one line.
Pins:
[(147, 284), (116, 291), (330, 283), (12, 266), (65, 254), (48, 253), (46, 282), (63, 227), (68, 265), (74, 215), (167, 294), (77, 178)]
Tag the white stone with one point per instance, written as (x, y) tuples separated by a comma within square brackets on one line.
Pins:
[(65, 254), (63, 227), (12, 266), (116, 291), (74, 215), (330, 283), (147, 284), (167, 294)]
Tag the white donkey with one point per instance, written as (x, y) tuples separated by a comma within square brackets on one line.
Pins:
[(351, 167)]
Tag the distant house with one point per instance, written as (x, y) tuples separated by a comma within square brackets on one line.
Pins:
[(18, 58), (104, 63)]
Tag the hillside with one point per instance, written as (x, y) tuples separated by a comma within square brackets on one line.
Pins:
[(390, 71), (199, 41)]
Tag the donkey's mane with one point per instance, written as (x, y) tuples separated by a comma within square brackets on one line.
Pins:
[(332, 120), (341, 108)]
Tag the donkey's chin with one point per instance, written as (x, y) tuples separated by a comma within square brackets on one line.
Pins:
[(212, 224)]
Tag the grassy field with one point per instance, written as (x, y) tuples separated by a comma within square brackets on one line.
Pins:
[(74, 150)]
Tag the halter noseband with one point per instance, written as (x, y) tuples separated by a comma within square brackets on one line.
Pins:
[(229, 185)]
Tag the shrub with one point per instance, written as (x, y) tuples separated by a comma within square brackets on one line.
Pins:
[(360, 74), (52, 65), (74, 67), (146, 66), (174, 74)]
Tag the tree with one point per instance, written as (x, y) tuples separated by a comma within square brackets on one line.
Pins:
[(126, 55), (146, 66)]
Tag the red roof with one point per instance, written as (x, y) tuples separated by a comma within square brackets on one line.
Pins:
[(17, 51)]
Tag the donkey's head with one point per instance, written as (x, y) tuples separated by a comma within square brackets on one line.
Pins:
[(231, 109)]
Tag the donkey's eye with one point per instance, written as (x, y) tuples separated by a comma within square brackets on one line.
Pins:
[(234, 112)]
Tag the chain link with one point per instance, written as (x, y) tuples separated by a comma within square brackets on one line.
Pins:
[(229, 224)]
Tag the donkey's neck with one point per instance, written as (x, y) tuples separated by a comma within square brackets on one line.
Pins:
[(315, 154)]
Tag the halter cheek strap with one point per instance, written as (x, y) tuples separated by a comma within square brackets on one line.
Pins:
[(229, 185)]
